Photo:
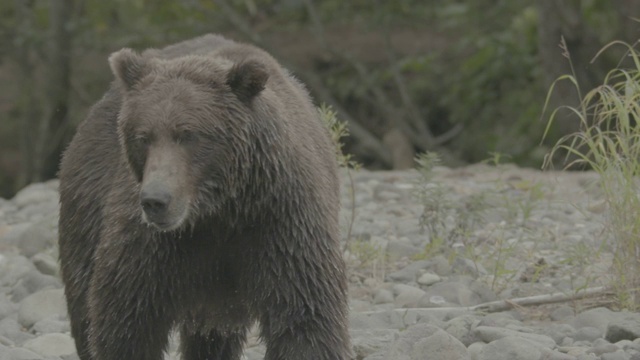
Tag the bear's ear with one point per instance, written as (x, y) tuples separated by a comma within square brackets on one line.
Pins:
[(128, 67), (247, 79)]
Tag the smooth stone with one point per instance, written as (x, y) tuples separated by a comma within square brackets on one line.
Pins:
[(623, 329), (11, 329), (53, 324), (407, 296), (510, 348), (490, 334), (428, 279), (367, 342), (40, 236), (51, 345), (460, 328), (46, 264), (461, 291), (409, 272), (439, 346), (383, 296), (22, 354), (587, 333), (41, 305), (598, 318)]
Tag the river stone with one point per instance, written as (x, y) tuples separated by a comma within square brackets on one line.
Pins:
[(41, 305), (510, 348), (52, 345), (623, 329)]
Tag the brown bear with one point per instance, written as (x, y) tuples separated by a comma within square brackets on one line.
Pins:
[(201, 194)]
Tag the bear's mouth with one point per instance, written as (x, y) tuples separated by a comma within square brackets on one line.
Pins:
[(162, 225)]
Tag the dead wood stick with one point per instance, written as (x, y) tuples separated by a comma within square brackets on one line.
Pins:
[(502, 305)]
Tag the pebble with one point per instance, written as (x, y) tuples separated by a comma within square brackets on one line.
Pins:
[(410, 292)]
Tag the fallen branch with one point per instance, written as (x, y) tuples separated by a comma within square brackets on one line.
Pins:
[(502, 305)]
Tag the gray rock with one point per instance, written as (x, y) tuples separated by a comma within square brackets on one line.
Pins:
[(587, 333), (558, 332), (53, 324), (46, 264), (428, 279), (75, 356), (35, 194), (6, 341), (602, 346), (403, 348), (41, 305), (11, 233), (10, 329), (21, 354), (587, 357), (555, 355), (402, 248), (618, 355), (501, 319), (13, 268), (598, 318), (35, 281), (439, 346), (475, 349), (409, 272), (623, 329), (407, 296), (441, 266), (460, 328), (490, 334), (464, 266), (7, 307), (51, 345), (367, 342), (562, 312), (510, 348), (39, 236), (460, 290), (383, 296)]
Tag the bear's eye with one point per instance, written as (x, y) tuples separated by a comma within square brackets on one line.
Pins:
[(186, 137), (143, 139)]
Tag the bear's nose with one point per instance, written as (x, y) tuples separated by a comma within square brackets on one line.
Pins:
[(155, 203)]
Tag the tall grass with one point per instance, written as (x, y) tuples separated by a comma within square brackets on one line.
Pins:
[(608, 141), (338, 130)]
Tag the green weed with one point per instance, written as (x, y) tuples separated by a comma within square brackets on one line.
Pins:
[(608, 142)]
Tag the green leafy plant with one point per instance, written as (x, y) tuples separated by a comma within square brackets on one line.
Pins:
[(608, 142), (338, 130)]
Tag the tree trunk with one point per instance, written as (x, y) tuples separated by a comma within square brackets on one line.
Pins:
[(54, 126), (563, 19), (26, 99)]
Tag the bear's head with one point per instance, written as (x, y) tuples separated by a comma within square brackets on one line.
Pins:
[(185, 126)]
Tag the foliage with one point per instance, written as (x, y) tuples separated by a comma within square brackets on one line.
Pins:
[(434, 65), (608, 141)]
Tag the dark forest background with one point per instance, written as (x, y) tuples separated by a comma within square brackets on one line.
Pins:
[(465, 78)]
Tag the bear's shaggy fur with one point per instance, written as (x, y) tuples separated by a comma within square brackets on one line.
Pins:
[(201, 194)]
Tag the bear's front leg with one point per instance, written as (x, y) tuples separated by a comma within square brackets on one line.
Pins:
[(305, 316), (129, 317), (309, 339)]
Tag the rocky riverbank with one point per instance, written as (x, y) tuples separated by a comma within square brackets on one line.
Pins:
[(423, 260)]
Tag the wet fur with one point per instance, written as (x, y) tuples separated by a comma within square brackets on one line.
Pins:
[(260, 242)]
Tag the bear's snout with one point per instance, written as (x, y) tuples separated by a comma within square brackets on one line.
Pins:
[(155, 202), (160, 207)]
